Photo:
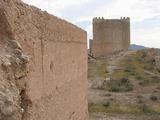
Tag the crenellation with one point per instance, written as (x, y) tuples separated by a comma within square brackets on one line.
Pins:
[(125, 18), (101, 19)]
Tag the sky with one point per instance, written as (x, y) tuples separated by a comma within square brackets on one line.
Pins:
[(144, 14)]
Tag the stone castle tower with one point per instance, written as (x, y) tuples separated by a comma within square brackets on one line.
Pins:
[(109, 36)]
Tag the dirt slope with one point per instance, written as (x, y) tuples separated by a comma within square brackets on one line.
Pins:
[(127, 87)]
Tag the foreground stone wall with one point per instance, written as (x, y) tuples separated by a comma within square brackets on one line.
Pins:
[(56, 85), (110, 35)]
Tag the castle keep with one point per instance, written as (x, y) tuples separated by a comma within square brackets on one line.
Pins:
[(109, 36)]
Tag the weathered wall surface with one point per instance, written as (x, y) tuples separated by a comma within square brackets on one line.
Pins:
[(110, 36), (56, 86), (90, 46)]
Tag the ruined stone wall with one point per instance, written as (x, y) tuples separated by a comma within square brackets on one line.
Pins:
[(110, 35), (56, 85)]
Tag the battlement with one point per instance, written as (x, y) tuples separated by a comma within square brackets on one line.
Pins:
[(102, 19)]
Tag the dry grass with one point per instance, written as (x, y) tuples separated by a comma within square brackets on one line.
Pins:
[(115, 107), (137, 70), (101, 68), (140, 67)]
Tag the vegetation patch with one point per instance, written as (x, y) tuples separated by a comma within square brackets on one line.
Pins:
[(138, 66), (135, 74), (153, 98), (115, 107), (122, 85), (102, 68)]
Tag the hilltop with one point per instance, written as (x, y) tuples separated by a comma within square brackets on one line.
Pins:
[(125, 86)]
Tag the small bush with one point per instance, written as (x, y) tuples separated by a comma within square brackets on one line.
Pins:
[(153, 98), (124, 80), (145, 109), (122, 85), (107, 104), (108, 95), (129, 88), (127, 70), (114, 88), (138, 77), (144, 81), (140, 101)]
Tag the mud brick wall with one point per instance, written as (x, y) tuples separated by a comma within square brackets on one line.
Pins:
[(56, 85)]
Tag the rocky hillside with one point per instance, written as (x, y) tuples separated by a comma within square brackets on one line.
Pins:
[(125, 86)]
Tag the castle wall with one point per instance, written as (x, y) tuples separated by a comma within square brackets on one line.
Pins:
[(56, 84), (110, 36), (90, 46)]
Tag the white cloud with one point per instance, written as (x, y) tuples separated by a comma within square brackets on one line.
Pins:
[(147, 37), (55, 6), (138, 10)]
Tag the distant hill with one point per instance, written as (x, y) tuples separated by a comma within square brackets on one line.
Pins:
[(136, 47)]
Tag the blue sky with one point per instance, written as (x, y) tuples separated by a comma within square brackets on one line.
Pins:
[(144, 14)]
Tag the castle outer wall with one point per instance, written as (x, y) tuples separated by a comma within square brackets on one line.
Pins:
[(56, 85), (110, 35)]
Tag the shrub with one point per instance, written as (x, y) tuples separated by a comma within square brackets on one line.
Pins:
[(124, 80), (107, 104), (113, 87), (129, 88), (153, 98), (145, 108), (138, 77), (122, 85)]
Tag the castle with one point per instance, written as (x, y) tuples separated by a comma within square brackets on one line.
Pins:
[(53, 84), (109, 36)]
